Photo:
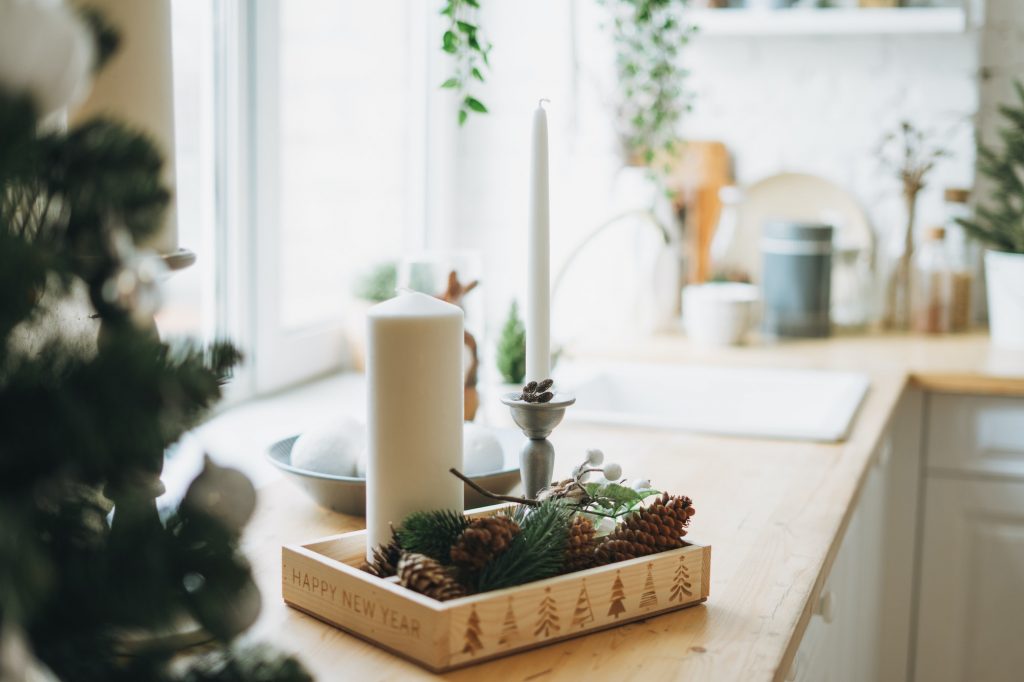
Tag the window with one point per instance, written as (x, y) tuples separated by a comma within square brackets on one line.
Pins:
[(300, 141)]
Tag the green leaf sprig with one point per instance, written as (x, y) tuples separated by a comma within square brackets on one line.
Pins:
[(470, 52), (614, 499)]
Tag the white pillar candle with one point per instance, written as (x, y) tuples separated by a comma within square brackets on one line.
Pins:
[(414, 410), (538, 288)]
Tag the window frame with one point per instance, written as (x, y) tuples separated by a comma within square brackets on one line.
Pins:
[(248, 218)]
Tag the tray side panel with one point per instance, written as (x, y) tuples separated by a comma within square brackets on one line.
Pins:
[(705, 576), (530, 616), (358, 606)]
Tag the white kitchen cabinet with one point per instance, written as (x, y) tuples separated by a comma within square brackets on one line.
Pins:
[(973, 434), (861, 628), (971, 616), (971, 590)]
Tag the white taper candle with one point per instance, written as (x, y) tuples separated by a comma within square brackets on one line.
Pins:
[(414, 411), (538, 292)]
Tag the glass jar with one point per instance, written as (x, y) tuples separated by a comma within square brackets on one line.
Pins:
[(726, 252), (851, 292), (963, 258), (931, 288)]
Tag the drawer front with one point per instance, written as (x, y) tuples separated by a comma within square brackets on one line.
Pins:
[(976, 434)]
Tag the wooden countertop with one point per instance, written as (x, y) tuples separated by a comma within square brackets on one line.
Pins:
[(774, 512)]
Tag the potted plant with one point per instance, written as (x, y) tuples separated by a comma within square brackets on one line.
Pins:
[(1000, 224), (375, 285)]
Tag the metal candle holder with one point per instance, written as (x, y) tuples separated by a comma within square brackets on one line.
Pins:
[(537, 421)]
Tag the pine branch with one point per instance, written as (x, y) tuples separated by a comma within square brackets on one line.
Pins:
[(246, 664), (107, 172), (431, 533), (536, 553), (118, 409)]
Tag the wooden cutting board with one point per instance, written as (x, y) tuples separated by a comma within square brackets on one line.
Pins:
[(699, 169)]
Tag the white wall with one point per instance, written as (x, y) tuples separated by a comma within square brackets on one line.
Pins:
[(810, 104), (821, 105)]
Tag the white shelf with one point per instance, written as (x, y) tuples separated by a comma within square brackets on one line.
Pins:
[(790, 22)]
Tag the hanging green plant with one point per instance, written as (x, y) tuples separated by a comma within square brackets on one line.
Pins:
[(470, 52), (648, 36)]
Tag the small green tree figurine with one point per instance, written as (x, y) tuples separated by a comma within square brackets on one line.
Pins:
[(378, 284), (1000, 224), (512, 348)]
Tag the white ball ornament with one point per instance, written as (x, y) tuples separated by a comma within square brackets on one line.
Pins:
[(46, 52), (330, 449), (221, 493), (641, 484), (595, 457), (481, 451), (612, 471)]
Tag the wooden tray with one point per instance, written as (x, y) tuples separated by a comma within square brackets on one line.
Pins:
[(323, 579)]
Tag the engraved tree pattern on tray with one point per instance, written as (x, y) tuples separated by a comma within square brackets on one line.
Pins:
[(649, 597), (681, 584), (509, 628), (618, 597), (473, 632), (584, 614), (547, 616)]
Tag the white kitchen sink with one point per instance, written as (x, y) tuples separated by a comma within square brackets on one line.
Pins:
[(814, 405)]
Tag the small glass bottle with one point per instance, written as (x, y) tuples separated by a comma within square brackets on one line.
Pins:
[(963, 258), (726, 250), (931, 287)]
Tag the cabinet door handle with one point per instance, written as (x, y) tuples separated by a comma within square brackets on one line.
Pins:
[(826, 606)]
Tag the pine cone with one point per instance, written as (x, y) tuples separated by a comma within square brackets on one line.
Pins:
[(656, 528), (534, 392), (579, 552), (422, 574), (484, 539), (385, 559)]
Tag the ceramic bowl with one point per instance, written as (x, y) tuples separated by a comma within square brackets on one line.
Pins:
[(347, 494), (719, 313)]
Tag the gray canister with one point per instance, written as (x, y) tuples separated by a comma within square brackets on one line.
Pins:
[(796, 279)]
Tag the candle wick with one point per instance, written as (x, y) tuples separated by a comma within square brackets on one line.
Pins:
[(541, 102)]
